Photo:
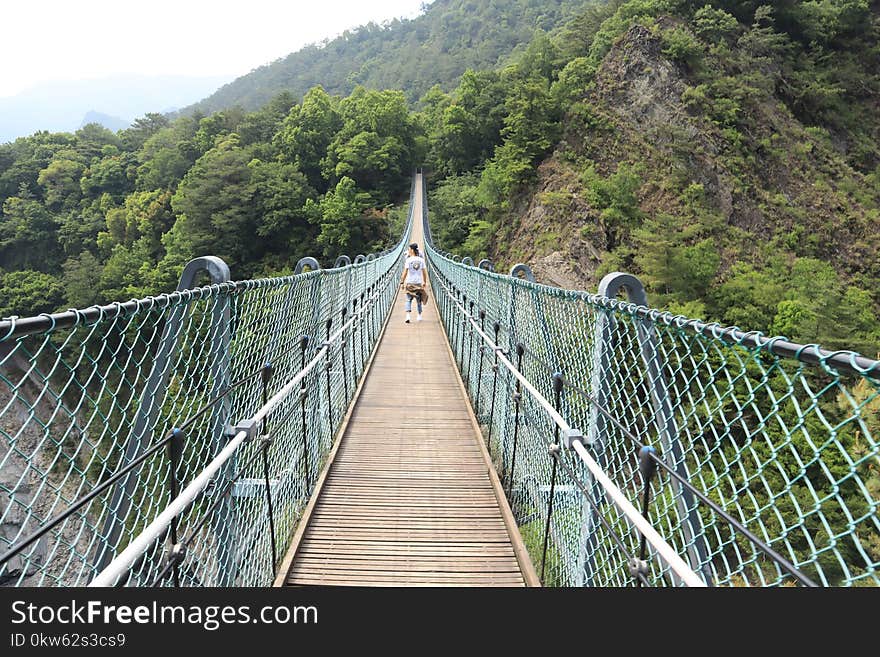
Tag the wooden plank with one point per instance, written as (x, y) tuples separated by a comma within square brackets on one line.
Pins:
[(368, 579), (380, 514), (405, 546), (401, 531), (303, 523), (396, 584), (393, 574), (451, 564), (429, 575), (408, 497)]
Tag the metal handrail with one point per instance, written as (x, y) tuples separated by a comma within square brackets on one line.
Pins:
[(157, 528), (574, 440)]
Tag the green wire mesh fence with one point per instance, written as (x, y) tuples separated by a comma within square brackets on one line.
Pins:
[(766, 453), (106, 413)]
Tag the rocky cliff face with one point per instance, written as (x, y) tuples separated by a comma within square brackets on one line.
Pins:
[(645, 110)]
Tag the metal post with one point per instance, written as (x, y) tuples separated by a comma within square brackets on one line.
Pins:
[(517, 400), (153, 396), (470, 333), (175, 453), (691, 523), (461, 332), (362, 324), (304, 344), (355, 337), (497, 327), (328, 366), (480, 368), (647, 468), (554, 455), (368, 319), (610, 287), (342, 350), (267, 441), (452, 324)]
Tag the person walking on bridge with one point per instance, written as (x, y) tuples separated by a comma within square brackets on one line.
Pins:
[(414, 280)]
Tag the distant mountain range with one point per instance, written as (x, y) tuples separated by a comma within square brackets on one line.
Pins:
[(113, 123), (112, 101)]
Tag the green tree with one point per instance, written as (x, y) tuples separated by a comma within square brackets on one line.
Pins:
[(82, 278), (167, 155), (374, 147), (616, 200), (342, 220), (107, 175), (92, 140), (281, 192), (27, 292), (306, 133), (749, 296), (134, 137), (216, 127), (215, 209), (61, 182), (258, 128), (28, 236), (454, 210)]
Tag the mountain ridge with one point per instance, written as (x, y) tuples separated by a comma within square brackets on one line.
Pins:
[(436, 47)]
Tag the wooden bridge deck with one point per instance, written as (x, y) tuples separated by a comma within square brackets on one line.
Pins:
[(409, 496)]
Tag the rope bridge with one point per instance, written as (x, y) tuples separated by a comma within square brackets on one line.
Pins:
[(176, 440)]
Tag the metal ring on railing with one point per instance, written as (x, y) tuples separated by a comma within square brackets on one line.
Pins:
[(523, 269), (486, 264), (359, 258), (12, 319), (309, 262), (342, 261)]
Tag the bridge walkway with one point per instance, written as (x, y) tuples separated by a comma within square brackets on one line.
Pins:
[(409, 495)]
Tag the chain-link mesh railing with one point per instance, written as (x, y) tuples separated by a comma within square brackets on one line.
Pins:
[(760, 456), (107, 413)]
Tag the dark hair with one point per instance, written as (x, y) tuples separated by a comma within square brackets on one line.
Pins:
[(414, 247)]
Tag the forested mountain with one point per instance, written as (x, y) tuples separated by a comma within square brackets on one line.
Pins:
[(97, 216), (436, 47), (726, 152)]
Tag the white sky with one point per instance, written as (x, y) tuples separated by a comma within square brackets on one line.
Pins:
[(49, 40)]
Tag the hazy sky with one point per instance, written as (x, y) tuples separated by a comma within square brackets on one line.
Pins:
[(47, 40)]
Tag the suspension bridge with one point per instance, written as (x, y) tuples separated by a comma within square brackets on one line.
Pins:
[(293, 431)]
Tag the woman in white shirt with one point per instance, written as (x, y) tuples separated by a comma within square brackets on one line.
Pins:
[(414, 280)]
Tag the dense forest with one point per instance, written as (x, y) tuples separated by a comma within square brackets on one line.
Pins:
[(96, 216), (726, 152), (437, 47)]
